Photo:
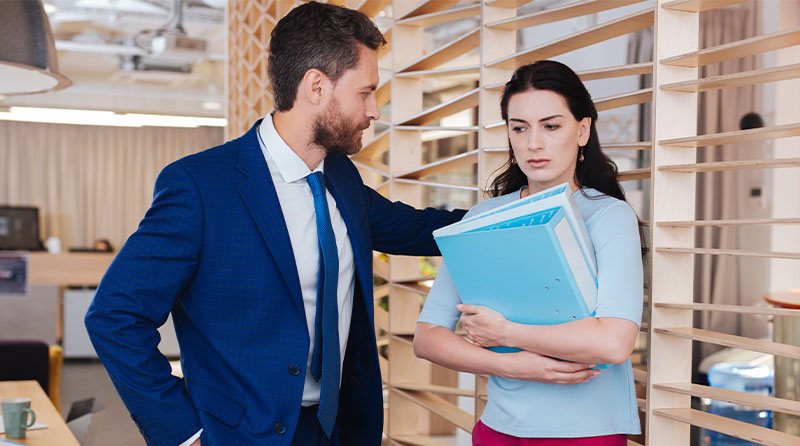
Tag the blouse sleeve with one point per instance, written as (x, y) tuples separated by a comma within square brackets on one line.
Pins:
[(615, 236)]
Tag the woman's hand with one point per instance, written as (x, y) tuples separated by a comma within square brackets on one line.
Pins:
[(485, 327), (529, 366)]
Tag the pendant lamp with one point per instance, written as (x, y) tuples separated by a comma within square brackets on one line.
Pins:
[(28, 60)]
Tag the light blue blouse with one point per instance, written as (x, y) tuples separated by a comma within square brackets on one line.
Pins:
[(604, 405)]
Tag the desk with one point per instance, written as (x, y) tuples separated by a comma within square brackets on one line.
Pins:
[(57, 432), (86, 268)]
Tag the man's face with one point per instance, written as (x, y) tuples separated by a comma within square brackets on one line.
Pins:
[(352, 106)]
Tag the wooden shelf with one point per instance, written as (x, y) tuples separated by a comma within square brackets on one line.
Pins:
[(568, 11), (454, 71), (633, 69), (736, 79), (734, 252), (384, 93), (642, 145), (731, 396), (428, 7), (435, 18), (457, 47), (624, 99), (380, 291), (495, 125), (640, 376), (507, 3), (440, 407), (432, 388), (742, 222), (738, 429), (377, 146), (443, 165), (737, 136), (727, 340), (720, 166), (735, 50), (418, 288), (371, 8), (372, 166), (445, 109), (380, 268), (635, 174), (699, 5), (739, 309), (470, 187), (605, 31), (423, 128), (381, 318)]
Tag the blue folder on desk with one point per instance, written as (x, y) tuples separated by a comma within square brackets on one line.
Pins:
[(530, 268)]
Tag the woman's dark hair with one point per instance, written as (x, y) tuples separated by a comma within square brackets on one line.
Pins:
[(596, 170), (316, 35)]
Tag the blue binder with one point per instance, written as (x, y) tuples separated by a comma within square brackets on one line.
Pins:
[(531, 269)]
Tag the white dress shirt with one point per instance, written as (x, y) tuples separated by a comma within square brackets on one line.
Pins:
[(289, 174)]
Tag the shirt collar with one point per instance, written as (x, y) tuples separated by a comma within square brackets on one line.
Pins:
[(290, 166)]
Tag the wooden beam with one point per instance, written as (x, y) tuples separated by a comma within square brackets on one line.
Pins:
[(432, 388), (727, 340), (384, 93), (732, 396), (449, 15), (442, 165), (737, 136), (739, 309), (565, 12), (508, 3), (371, 8), (738, 429), (624, 99), (699, 5), (600, 33), (377, 146), (733, 252), (470, 187), (732, 165), (387, 48), (448, 71), (440, 407), (446, 53), (427, 7), (737, 79), (734, 50), (635, 174), (633, 69), (641, 145), (445, 109), (741, 222)]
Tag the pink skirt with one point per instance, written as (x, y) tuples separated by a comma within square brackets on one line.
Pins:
[(483, 435)]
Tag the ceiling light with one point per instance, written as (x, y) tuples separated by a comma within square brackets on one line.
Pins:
[(211, 105), (28, 59), (106, 118)]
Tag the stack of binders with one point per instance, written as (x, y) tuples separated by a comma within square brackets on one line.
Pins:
[(531, 260)]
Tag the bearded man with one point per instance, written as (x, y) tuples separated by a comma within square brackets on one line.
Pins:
[(262, 251)]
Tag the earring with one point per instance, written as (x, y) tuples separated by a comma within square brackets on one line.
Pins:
[(580, 153)]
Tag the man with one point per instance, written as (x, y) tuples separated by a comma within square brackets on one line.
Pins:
[(262, 251)]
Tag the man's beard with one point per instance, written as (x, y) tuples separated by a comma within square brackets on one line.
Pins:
[(334, 133)]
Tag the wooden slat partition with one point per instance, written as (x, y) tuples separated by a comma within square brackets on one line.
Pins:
[(457, 47), (738, 429), (698, 5), (732, 165), (727, 340), (624, 99), (463, 102), (448, 15), (732, 396), (738, 136), (444, 165), (737, 79), (735, 50), (749, 221), (568, 11)]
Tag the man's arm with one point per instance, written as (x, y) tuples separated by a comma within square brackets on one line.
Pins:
[(398, 228), (135, 298)]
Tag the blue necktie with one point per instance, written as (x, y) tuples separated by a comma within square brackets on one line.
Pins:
[(325, 358)]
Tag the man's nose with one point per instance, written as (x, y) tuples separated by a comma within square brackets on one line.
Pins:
[(373, 112)]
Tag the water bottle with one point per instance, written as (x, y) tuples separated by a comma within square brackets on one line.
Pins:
[(758, 379)]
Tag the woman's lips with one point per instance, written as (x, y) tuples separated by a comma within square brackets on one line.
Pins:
[(536, 163)]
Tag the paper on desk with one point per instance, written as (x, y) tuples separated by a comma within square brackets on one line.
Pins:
[(36, 425)]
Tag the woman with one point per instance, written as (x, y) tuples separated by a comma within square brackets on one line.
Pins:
[(553, 139)]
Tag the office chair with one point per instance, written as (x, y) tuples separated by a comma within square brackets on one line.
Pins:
[(33, 360)]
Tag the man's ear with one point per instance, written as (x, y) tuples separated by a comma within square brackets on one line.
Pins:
[(584, 131), (313, 86)]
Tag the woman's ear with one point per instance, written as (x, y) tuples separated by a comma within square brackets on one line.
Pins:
[(584, 130)]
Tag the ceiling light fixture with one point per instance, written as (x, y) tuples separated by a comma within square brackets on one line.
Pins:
[(106, 118), (28, 59)]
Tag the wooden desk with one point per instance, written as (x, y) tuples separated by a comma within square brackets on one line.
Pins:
[(57, 432), (85, 268)]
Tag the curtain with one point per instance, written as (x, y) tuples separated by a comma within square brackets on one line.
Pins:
[(90, 182), (718, 194)]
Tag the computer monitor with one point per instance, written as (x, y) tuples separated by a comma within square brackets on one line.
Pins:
[(19, 228)]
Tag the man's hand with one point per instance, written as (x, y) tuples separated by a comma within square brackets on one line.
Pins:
[(529, 366), (485, 327), (196, 443)]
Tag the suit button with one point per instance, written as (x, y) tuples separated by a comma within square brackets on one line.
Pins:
[(280, 428), (294, 369)]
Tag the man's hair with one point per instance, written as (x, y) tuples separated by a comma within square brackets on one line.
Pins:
[(316, 35)]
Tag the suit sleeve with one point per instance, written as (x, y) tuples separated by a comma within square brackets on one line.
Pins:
[(135, 297), (398, 228)]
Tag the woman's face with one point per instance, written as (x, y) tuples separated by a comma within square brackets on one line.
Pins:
[(545, 137)]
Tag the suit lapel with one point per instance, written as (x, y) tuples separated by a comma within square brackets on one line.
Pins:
[(362, 255), (261, 199)]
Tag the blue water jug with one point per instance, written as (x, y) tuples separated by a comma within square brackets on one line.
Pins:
[(758, 379)]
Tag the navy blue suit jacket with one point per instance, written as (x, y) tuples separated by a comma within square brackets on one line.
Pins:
[(214, 250)]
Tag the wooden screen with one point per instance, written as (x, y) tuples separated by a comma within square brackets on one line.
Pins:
[(441, 138)]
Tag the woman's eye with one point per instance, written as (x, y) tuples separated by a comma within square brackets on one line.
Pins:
[(552, 126), (517, 129)]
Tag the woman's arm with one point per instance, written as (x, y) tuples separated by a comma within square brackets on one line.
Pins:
[(604, 340), (442, 346)]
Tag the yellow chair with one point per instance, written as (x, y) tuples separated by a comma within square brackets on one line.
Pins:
[(56, 363)]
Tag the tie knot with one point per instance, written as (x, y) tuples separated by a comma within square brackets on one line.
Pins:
[(317, 183)]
